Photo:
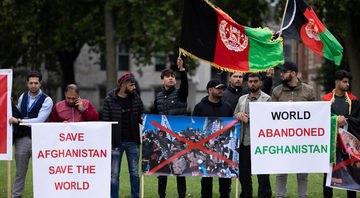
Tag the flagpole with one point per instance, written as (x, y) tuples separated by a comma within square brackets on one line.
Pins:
[(282, 23)]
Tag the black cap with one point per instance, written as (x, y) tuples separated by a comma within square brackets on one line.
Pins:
[(215, 83), (289, 66)]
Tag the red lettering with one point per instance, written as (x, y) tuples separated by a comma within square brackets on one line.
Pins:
[(81, 137), (40, 155), (86, 169), (293, 132), (62, 169), (72, 137), (307, 132), (51, 170), (47, 153), (284, 132), (321, 130), (62, 137), (71, 185), (261, 133), (313, 131), (277, 133), (269, 133)]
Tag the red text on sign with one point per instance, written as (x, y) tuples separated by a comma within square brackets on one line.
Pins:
[(290, 132), (86, 169), (61, 169), (71, 137), (71, 185)]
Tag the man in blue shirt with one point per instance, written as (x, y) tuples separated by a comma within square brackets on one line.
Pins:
[(34, 107)]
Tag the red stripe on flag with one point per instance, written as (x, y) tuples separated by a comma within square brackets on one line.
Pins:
[(192, 146), (232, 45), (309, 32), (3, 114)]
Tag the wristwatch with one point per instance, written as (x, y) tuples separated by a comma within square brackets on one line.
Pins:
[(19, 120)]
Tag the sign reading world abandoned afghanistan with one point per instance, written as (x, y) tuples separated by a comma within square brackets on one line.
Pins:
[(290, 137), (71, 159), (190, 146)]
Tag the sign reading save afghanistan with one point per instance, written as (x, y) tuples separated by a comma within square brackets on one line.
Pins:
[(71, 159), (290, 137)]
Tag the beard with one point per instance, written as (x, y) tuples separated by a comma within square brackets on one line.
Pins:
[(344, 89), (216, 95), (253, 90), (128, 92), (286, 80)]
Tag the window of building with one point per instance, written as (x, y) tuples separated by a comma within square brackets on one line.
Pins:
[(160, 63), (123, 57)]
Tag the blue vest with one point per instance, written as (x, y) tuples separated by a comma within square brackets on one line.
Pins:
[(33, 112)]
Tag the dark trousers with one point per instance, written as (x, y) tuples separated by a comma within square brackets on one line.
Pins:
[(245, 176), (181, 186), (207, 184), (328, 192)]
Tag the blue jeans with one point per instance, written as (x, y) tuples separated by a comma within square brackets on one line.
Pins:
[(133, 155)]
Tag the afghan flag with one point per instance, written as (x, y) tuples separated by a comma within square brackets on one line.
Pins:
[(353, 120), (301, 23), (210, 35)]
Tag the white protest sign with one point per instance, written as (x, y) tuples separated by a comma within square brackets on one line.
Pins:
[(290, 137), (6, 130), (71, 159)]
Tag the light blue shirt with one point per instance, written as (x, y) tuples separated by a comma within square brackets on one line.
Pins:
[(44, 111)]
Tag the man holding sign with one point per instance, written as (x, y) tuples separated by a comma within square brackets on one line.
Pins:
[(292, 89), (214, 106), (242, 112), (345, 112), (34, 107)]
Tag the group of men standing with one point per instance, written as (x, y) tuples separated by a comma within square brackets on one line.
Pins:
[(125, 106)]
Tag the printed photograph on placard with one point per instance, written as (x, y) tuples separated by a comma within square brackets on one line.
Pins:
[(346, 171), (190, 146)]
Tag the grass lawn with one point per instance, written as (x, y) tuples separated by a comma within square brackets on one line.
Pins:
[(193, 184)]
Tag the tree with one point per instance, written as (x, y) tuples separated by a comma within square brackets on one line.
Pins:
[(58, 28)]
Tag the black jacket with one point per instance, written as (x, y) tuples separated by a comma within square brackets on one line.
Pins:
[(173, 100), (232, 95), (112, 112), (206, 108)]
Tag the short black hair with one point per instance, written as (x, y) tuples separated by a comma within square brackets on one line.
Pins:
[(166, 72), (255, 75), (34, 74), (72, 87), (127, 80), (341, 74)]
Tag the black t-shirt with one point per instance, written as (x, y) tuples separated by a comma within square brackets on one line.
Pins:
[(340, 106), (126, 130)]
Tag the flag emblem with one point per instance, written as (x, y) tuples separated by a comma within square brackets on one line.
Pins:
[(312, 30), (232, 37)]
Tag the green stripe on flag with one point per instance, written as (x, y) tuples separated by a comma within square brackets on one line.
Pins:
[(263, 53), (332, 48)]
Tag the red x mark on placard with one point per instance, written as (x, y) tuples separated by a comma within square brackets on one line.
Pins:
[(192, 145), (349, 161)]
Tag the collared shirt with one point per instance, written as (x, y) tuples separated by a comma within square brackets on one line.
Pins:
[(44, 111), (247, 111)]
